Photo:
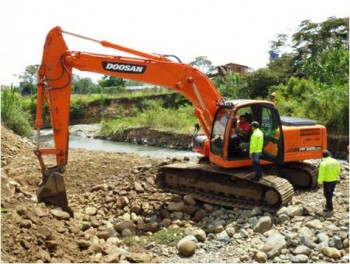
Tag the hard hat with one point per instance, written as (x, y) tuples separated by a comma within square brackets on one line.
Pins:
[(273, 94)]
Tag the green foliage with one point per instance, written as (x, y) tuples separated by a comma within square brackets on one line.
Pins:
[(257, 83), (168, 237), (111, 81), (328, 105), (154, 116), (12, 114), (29, 80), (84, 85), (329, 67), (230, 86)]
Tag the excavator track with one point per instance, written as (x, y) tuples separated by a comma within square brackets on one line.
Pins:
[(300, 174), (226, 187)]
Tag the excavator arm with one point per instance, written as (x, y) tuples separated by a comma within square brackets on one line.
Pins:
[(54, 87)]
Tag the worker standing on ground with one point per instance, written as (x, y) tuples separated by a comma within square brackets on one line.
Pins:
[(328, 175), (255, 149)]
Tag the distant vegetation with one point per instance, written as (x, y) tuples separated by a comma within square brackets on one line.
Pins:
[(13, 115), (309, 73)]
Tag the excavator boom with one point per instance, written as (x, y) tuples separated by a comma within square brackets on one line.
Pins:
[(54, 87)]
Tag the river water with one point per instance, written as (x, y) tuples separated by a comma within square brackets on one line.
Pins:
[(80, 137)]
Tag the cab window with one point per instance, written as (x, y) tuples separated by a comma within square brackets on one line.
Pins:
[(270, 128), (218, 133)]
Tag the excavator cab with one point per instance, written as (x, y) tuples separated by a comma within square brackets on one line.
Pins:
[(230, 135)]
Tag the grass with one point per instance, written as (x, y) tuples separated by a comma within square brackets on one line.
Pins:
[(168, 237), (179, 120)]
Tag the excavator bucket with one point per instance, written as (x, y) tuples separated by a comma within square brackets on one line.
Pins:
[(52, 190)]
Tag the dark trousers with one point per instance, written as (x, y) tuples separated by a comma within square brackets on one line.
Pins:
[(256, 164), (328, 190)]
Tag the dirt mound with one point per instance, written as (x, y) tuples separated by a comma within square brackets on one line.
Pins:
[(33, 232)]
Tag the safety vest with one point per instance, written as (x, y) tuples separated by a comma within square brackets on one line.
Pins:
[(256, 141), (329, 170)]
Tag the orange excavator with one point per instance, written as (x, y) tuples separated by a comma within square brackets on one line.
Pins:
[(225, 177)]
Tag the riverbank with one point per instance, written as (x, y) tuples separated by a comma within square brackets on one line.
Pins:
[(122, 216)]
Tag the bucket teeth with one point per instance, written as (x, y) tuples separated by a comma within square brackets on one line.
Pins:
[(52, 190)]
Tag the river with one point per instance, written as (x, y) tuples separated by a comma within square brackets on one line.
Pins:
[(80, 136)]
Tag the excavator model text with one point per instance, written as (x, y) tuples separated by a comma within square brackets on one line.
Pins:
[(226, 178)]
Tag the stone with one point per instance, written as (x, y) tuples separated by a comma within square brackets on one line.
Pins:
[(83, 244), (25, 223), (315, 224), (59, 214), (264, 224), (209, 207), (335, 242), (230, 231), (105, 234), (187, 238), (112, 258), (166, 222), (296, 210), (199, 234), (127, 233), (25, 244), (282, 218), (305, 231), (223, 236), (187, 248), (138, 187), (90, 210), (322, 237), (304, 250), (139, 258), (282, 210), (40, 212), (331, 252), (260, 256), (300, 259), (113, 241), (123, 201), (199, 215), (244, 258), (243, 233), (274, 244), (307, 241), (124, 225), (256, 211), (176, 206), (44, 232), (188, 199)]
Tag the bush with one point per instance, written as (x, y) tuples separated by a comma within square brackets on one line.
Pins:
[(12, 114)]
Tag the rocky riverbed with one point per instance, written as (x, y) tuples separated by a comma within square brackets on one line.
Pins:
[(122, 216)]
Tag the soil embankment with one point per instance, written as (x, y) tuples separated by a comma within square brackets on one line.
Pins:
[(122, 216)]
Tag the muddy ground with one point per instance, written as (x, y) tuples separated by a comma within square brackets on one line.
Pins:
[(118, 208)]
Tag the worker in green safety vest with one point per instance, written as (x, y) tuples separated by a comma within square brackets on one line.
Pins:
[(255, 149), (328, 176)]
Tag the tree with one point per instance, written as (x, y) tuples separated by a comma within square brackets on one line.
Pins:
[(257, 83), (202, 63), (29, 80), (315, 43), (83, 85), (110, 81), (230, 86)]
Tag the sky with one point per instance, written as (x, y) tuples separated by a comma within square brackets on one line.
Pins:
[(224, 31)]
